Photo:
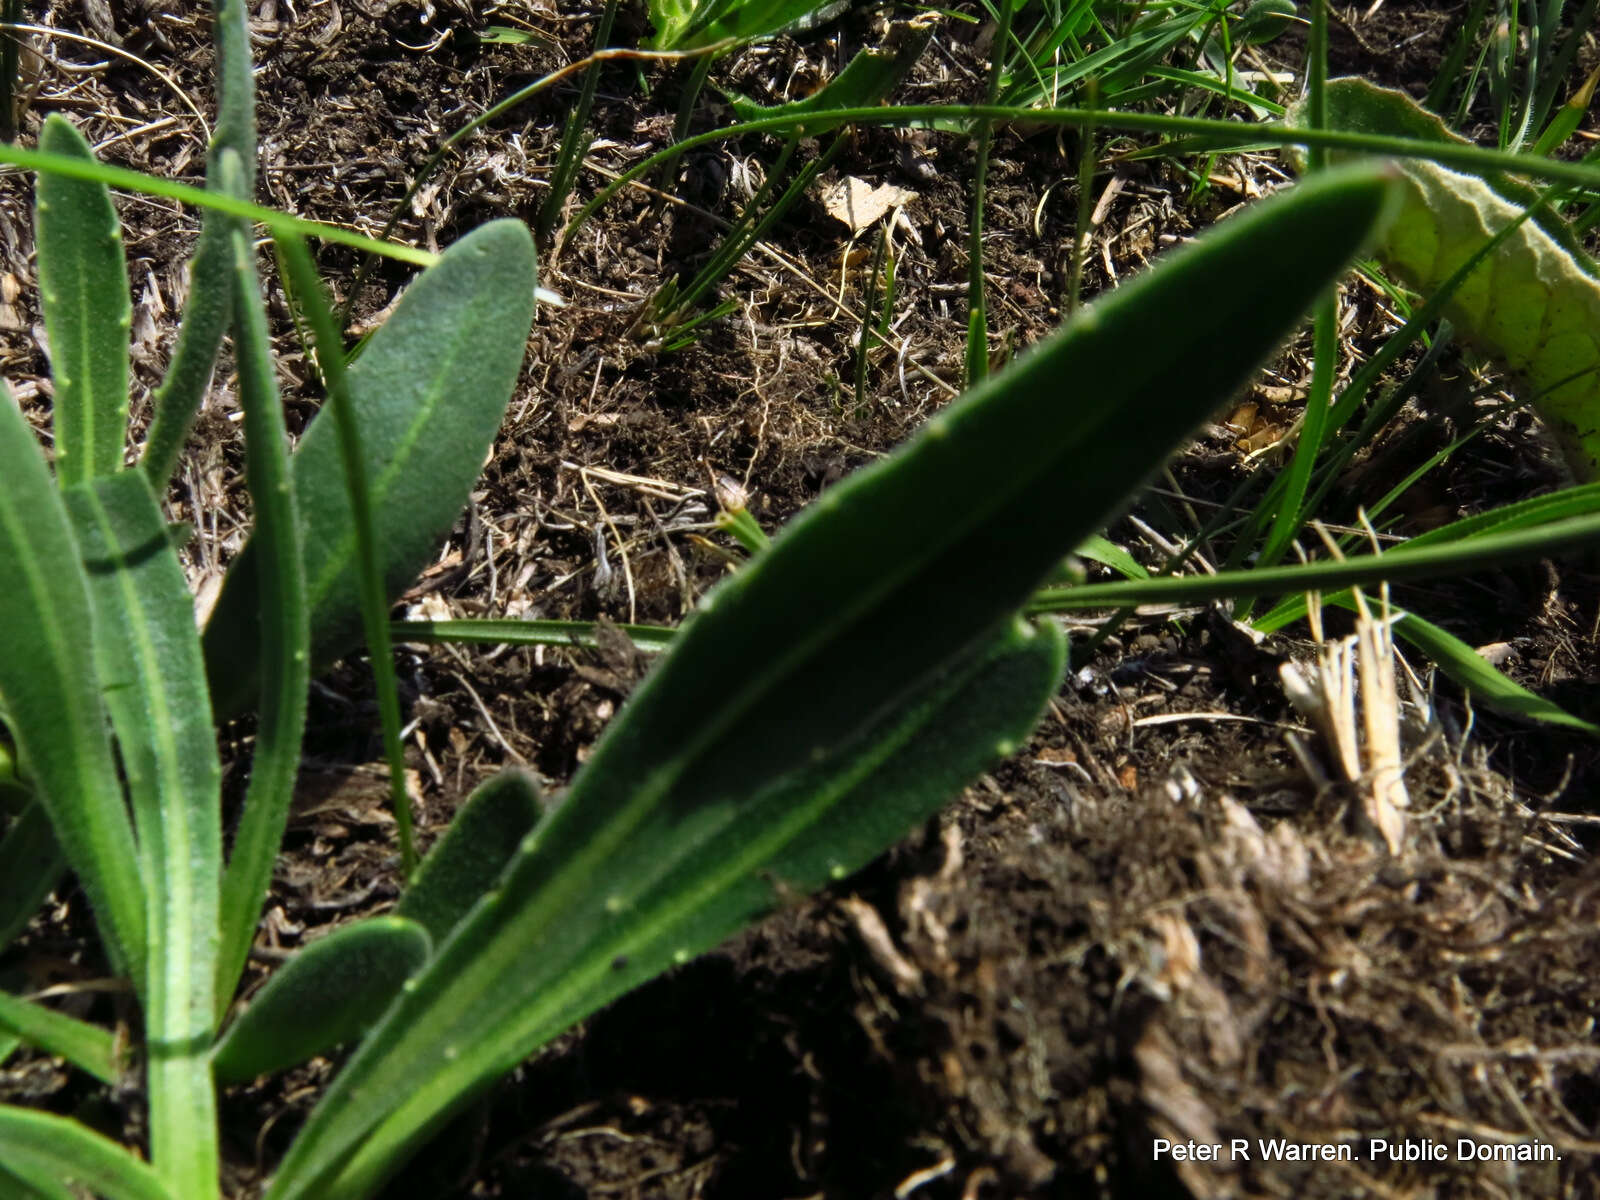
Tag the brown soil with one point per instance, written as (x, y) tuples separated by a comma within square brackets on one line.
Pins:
[(1151, 923)]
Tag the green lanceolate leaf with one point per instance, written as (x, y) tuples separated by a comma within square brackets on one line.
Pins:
[(429, 392), (736, 862), (148, 654), (83, 284), (206, 313), (85, 1046), (205, 319), (819, 826), (836, 629), (31, 864), (52, 694), (473, 852), (279, 652), (45, 1146), (323, 997), (1533, 305)]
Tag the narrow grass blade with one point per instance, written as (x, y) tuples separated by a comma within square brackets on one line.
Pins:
[(83, 283), (429, 393), (1426, 562), (827, 634), (49, 687), (85, 1046), (60, 1148), (1569, 116), (649, 638), (71, 167), (977, 358), (1580, 501), (1226, 133), (148, 654), (575, 135), (280, 653), (1109, 554), (472, 854), (11, 14), (326, 995), (31, 865), (744, 529), (1469, 669)]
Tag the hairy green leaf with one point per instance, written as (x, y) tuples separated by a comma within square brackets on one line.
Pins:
[(49, 687), (300, 275), (205, 315), (323, 997), (730, 864), (279, 651), (429, 392), (767, 692), (473, 852), (83, 286), (194, 355), (148, 654)]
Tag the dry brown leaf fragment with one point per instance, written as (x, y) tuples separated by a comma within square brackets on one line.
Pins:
[(857, 204)]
